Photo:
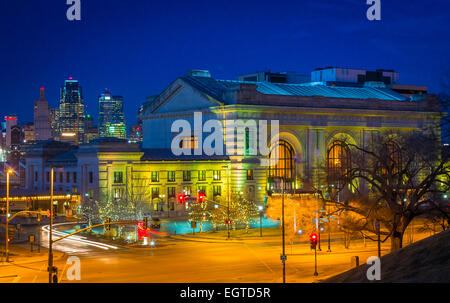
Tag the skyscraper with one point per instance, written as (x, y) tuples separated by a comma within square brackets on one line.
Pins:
[(42, 129), (71, 112), (10, 122), (54, 121), (111, 119)]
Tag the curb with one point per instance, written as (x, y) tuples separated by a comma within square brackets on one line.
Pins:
[(29, 261)]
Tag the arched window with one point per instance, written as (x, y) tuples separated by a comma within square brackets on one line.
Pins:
[(281, 162), (391, 157), (338, 161)]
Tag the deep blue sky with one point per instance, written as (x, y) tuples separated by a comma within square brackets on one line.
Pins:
[(137, 47)]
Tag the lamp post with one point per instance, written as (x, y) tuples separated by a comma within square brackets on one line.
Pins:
[(329, 230), (260, 219), (51, 269), (10, 171), (228, 201), (283, 257)]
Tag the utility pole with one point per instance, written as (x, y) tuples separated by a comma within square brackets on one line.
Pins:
[(377, 224), (283, 257), (260, 220), (329, 227), (50, 253), (315, 261), (51, 268), (228, 207), (7, 216)]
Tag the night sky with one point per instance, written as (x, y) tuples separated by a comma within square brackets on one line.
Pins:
[(136, 48)]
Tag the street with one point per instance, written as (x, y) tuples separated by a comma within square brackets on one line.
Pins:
[(187, 261)]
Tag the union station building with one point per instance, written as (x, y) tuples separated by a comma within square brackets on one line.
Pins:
[(318, 115)]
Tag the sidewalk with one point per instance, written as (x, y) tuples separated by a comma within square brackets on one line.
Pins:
[(20, 254)]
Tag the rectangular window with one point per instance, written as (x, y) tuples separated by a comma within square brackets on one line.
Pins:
[(91, 177), (155, 176), (202, 189), (47, 176), (171, 192), (247, 141), (250, 174), (61, 177), (67, 177), (189, 142), (171, 176), (35, 179), (216, 175), (74, 179), (187, 175), (118, 177), (217, 190), (202, 175), (187, 190), (155, 192)]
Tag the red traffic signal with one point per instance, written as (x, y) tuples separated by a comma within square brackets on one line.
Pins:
[(201, 197), (313, 238), (227, 221), (181, 198)]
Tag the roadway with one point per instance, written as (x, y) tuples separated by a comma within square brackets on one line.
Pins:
[(181, 261)]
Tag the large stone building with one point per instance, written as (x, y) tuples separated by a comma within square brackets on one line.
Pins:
[(315, 122)]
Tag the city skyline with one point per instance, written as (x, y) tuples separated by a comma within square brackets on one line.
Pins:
[(147, 54)]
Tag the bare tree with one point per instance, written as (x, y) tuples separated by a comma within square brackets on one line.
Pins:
[(391, 181)]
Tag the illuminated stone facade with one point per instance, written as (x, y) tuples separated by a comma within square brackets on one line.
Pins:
[(312, 122)]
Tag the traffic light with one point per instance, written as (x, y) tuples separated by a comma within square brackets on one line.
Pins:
[(201, 196), (227, 221), (313, 239), (145, 223), (108, 226), (181, 198)]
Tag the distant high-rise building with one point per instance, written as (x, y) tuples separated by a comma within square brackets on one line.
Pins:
[(42, 128), (89, 121), (10, 122), (54, 122), (71, 112), (111, 119), (28, 132)]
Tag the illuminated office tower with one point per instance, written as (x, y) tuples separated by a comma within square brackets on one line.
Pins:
[(111, 119), (54, 122), (71, 112), (10, 122), (42, 127)]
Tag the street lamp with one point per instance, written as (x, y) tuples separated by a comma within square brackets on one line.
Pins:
[(228, 202), (10, 171), (261, 208), (283, 257), (51, 269)]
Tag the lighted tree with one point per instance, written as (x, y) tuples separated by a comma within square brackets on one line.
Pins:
[(90, 211), (300, 213), (200, 212), (138, 196), (116, 209), (243, 211)]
